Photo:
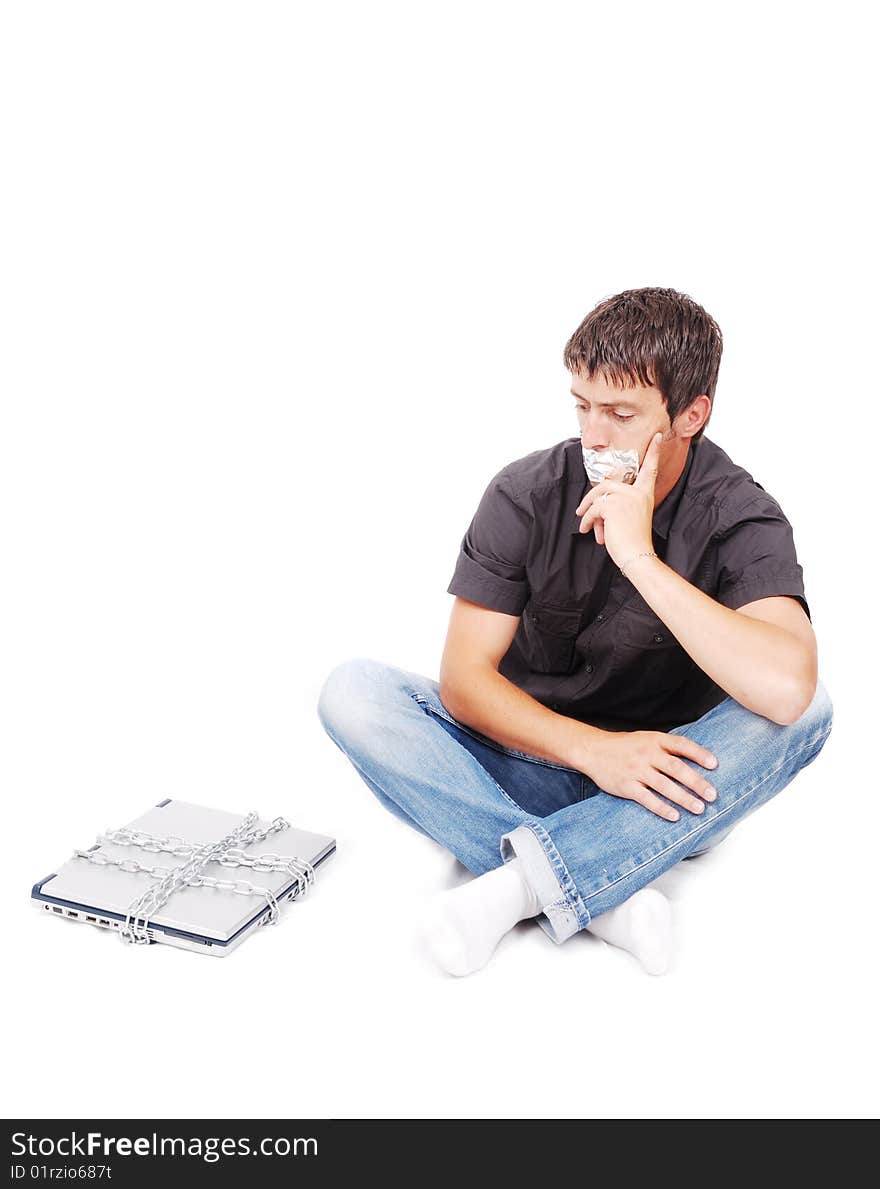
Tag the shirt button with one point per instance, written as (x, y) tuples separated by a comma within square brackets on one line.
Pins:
[(658, 639), (599, 617), (590, 668)]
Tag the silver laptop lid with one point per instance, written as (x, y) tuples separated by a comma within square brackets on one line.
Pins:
[(201, 911)]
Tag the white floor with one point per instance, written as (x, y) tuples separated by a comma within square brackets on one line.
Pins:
[(769, 1010)]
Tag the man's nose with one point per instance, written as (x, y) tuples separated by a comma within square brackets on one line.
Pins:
[(594, 431)]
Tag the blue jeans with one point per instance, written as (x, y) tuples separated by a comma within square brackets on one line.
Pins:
[(583, 850)]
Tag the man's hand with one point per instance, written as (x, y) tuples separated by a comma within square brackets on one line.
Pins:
[(637, 765), (622, 522)]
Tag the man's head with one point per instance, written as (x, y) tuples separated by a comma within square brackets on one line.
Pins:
[(642, 361)]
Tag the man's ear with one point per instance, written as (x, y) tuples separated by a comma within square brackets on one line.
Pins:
[(695, 416)]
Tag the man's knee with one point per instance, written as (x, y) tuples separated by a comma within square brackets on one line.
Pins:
[(806, 736), (819, 715), (352, 693)]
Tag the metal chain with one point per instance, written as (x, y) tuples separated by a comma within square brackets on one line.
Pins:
[(177, 846), (241, 886), (291, 864), (191, 873), (153, 898), (298, 868), (101, 860)]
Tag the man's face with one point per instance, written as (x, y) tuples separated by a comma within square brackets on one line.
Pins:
[(619, 418)]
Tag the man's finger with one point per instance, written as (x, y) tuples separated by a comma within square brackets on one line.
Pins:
[(592, 509), (592, 516), (594, 495), (681, 745), (651, 801), (647, 475)]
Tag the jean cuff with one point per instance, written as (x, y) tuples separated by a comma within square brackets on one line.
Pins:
[(563, 912)]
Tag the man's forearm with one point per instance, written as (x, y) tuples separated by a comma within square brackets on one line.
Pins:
[(481, 698), (761, 666)]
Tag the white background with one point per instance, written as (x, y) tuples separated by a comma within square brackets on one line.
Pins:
[(283, 287)]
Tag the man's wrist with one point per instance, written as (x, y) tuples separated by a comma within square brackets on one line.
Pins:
[(636, 557), (577, 740)]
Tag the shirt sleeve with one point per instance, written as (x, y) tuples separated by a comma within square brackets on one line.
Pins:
[(756, 558), (491, 566)]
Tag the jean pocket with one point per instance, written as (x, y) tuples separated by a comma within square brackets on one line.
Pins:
[(550, 633)]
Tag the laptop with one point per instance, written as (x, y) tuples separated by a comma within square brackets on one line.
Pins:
[(92, 889)]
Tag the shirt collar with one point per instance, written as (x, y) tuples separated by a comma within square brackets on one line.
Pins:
[(663, 515)]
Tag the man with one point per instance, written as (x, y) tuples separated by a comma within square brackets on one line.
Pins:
[(629, 670)]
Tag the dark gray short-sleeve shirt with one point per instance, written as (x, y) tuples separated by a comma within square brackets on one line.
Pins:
[(588, 645)]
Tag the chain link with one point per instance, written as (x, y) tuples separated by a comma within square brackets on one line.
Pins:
[(227, 852), (102, 860)]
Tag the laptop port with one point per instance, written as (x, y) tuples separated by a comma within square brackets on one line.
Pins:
[(55, 908), (103, 922)]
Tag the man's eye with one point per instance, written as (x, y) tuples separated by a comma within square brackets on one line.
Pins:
[(616, 416)]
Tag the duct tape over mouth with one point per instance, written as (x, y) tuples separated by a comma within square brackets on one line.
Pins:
[(599, 464)]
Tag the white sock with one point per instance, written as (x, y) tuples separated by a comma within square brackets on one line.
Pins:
[(643, 926), (463, 926)]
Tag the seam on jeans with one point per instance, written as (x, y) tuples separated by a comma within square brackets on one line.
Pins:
[(822, 735), (520, 755), (571, 897), (423, 702), (413, 822), (560, 903)]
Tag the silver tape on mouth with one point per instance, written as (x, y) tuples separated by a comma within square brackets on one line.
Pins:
[(599, 464)]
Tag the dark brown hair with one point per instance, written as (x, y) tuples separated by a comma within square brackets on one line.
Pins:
[(653, 337)]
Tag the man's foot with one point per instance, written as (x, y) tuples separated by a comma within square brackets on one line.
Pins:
[(641, 925), (462, 927)]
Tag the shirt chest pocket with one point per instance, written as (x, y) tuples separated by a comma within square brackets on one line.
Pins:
[(550, 635), (645, 648)]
